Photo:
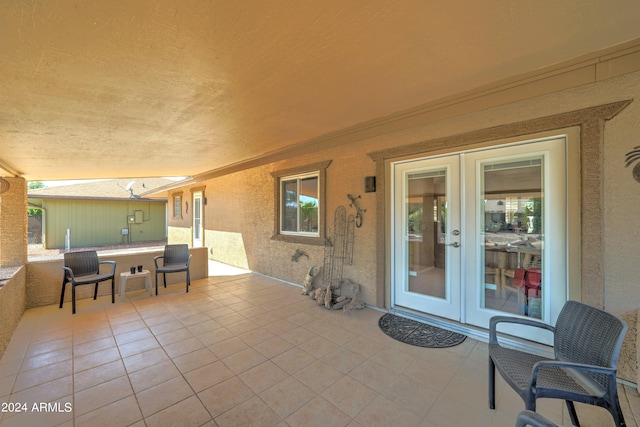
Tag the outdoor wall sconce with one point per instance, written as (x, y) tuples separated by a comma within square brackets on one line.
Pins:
[(4, 185), (633, 156)]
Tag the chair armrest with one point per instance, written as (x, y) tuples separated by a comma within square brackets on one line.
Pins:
[(113, 266), (189, 260), (495, 320), (156, 258), (580, 367), (68, 272)]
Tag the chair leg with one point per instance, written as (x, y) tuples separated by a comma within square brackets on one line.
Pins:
[(64, 283), (73, 299), (572, 413), (164, 279), (113, 290), (492, 384), (616, 412), (95, 292), (156, 283), (188, 280)]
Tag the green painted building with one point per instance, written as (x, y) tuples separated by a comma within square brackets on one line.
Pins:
[(101, 213)]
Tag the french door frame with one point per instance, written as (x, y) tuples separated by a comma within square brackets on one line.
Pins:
[(572, 200)]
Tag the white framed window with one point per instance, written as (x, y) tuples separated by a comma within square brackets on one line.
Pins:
[(300, 205), (177, 205)]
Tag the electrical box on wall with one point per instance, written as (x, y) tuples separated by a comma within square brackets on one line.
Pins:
[(139, 217), (131, 219)]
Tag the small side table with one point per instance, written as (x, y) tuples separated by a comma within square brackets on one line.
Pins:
[(127, 275)]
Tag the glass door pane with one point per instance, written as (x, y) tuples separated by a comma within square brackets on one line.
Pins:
[(426, 234), (426, 210), (512, 220)]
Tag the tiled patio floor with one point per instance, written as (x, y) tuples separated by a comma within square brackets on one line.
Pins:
[(245, 350)]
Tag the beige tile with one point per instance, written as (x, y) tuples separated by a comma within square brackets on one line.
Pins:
[(44, 374), (194, 360), (180, 348), (132, 336), (383, 412), (343, 359), (101, 395), (414, 396), (253, 412), (319, 412), (48, 358), (138, 347), (188, 412), (243, 360), (263, 376), (318, 346), (208, 376), (293, 360), (287, 396), (349, 395), (228, 347), (163, 395), (122, 412), (373, 375), (98, 375), (153, 375), (93, 346), (225, 396), (146, 359), (273, 346), (318, 376)]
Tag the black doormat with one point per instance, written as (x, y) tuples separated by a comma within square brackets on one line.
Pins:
[(419, 334)]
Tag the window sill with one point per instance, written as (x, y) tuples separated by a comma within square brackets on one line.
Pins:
[(306, 240)]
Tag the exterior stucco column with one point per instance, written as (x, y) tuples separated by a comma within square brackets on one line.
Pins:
[(13, 224)]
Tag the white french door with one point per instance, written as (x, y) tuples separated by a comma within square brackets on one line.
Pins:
[(482, 233), (427, 235)]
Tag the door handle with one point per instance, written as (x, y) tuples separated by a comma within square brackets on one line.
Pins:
[(454, 244)]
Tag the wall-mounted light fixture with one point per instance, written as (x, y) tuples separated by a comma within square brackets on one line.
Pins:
[(369, 184), (633, 156), (4, 185)]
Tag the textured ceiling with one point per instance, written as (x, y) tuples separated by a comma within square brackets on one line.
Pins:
[(121, 88)]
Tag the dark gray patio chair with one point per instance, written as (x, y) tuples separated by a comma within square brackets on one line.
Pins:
[(83, 268), (587, 343), (533, 419), (176, 259)]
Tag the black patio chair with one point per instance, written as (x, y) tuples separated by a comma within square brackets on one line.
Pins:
[(587, 343), (83, 268), (533, 419), (176, 259)]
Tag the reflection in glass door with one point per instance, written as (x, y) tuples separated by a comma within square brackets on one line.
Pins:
[(512, 218)]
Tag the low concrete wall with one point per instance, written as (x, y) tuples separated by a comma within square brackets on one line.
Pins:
[(44, 278), (13, 303)]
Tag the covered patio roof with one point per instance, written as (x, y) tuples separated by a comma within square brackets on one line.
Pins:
[(185, 88)]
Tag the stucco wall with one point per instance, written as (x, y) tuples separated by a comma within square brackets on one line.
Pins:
[(241, 204), (44, 278), (12, 301)]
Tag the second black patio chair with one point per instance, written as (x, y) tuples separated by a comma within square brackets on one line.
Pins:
[(176, 259), (586, 344), (83, 268)]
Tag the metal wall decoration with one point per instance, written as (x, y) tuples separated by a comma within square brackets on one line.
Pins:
[(630, 158), (338, 250), (354, 204)]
